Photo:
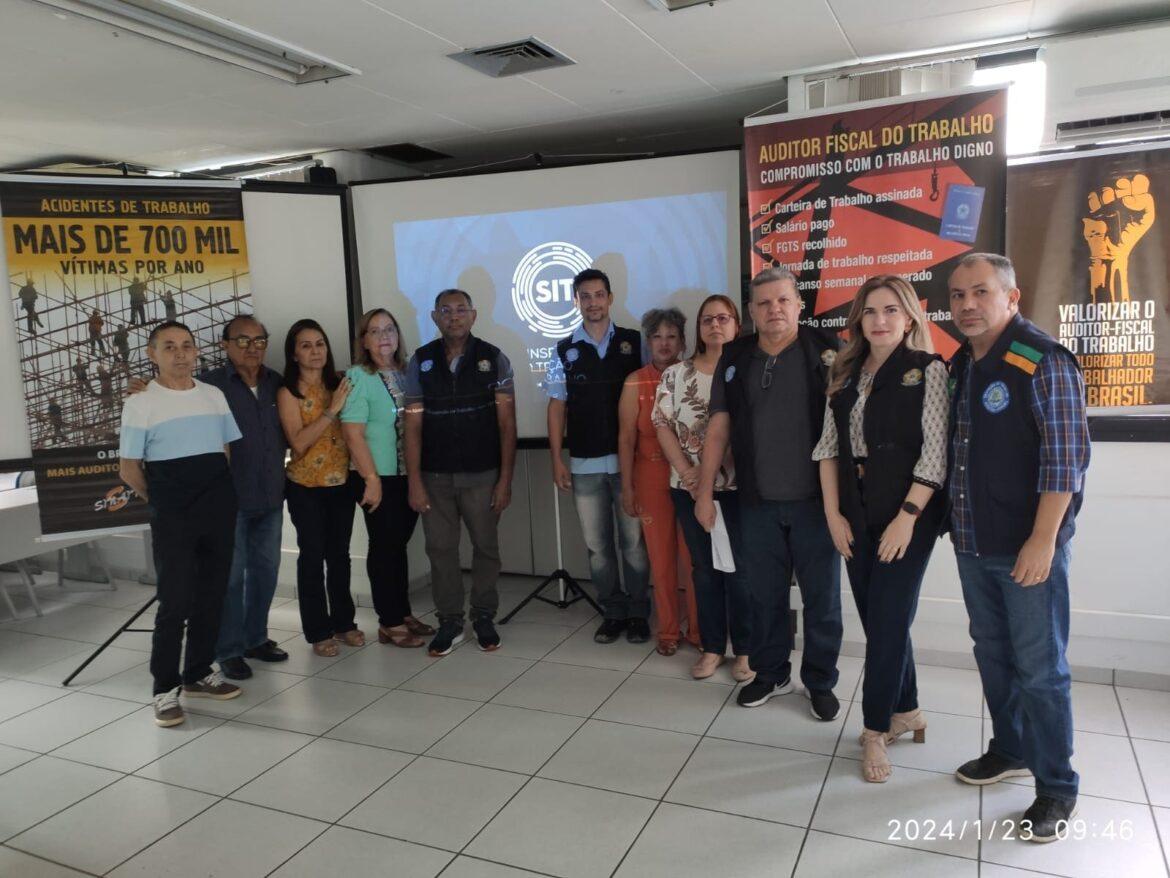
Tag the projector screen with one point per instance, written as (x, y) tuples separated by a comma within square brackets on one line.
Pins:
[(666, 231)]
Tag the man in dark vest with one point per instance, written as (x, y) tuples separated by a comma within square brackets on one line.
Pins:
[(1019, 452), (584, 381), (768, 400), (460, 455)]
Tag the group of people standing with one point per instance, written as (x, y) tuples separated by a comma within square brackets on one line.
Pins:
[(756, 459), (798, 451)]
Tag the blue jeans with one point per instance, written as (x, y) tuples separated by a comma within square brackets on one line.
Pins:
[(721, 598), (779, 538), (597, 497), (251, 584), (1021, 635)]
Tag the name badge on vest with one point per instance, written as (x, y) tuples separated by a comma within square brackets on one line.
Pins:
[(626, 348), (426, 365), (484, 365), (912, 378), (571, 356), (729, 374), (996, 397)]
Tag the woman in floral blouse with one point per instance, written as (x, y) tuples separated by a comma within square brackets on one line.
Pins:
[(319, 488), (680, 416)]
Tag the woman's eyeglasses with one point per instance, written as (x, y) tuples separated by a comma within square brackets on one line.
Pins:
[(712, 319), (384, 332)]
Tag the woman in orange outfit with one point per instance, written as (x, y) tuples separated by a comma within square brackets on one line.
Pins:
[(646, 481)]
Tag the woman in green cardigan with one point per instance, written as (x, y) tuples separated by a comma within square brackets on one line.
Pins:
[(371, 423)]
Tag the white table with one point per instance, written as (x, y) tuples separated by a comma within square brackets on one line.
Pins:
[(20, 539)]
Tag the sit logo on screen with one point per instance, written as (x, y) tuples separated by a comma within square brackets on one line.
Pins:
[(542, 288)]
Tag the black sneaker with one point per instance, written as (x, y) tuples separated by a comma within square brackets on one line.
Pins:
[(235, 669), (990, 768), (759, 691), (637, 630), (485, 633), (609, 630), (825, 705), (1047, 819), (449, 635), (268, 651)]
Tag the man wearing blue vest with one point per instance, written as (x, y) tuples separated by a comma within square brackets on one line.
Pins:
[(1019, 452), (584, 382)]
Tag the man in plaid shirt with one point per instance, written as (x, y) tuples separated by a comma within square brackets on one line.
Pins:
[(1019, 452)]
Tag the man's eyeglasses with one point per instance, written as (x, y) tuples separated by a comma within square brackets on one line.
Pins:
[(766, 378), (460, 311), (243, 342), (712, 319), (384, 332)]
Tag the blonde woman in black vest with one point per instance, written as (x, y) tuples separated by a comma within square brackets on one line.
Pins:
[(883, 460)]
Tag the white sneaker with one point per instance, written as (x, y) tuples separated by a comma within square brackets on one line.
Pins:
[(167, 711)]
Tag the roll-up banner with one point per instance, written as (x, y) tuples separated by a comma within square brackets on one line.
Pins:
[(92, 268), (1092, 257), (905, 186)]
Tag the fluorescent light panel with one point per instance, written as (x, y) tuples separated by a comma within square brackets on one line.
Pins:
[(186, 27)]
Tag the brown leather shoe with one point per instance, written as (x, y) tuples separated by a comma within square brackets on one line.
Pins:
[(212, 686), (417, 628)]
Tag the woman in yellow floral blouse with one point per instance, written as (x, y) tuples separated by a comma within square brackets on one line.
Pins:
[(320, 488)]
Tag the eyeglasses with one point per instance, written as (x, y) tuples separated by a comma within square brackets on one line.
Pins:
[(712, 319), (384, 332), (766, 378), (244, 342), (460, 311)]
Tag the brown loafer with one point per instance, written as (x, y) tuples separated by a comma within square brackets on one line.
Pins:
[(400, 636), (421, 629)]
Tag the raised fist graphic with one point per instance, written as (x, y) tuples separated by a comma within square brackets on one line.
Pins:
[(1119, 215)]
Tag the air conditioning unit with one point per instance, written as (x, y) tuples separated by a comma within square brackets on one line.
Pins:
[(1108, 85)]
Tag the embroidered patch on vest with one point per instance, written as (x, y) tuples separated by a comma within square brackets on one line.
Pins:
[(484, 365), (626, 348), (952, 383), (571, 355), (996, 397), (426, 365), (729, 374), (912, 378), (828, 356), (1023, 357)]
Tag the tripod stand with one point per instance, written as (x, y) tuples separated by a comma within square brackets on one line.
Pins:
[(566, 584), (112, 638)]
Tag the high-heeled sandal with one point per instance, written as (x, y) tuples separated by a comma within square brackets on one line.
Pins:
[(325, 648), (875, 765), (900, 724), (400, 636), (667, 647), (355, 637)]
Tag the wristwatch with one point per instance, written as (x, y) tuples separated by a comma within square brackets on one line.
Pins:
[(907, 506)]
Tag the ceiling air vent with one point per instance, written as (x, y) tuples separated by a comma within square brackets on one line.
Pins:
[(509, 59), (407, 153)]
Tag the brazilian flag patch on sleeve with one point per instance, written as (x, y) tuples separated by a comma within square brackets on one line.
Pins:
[(1023, 357)]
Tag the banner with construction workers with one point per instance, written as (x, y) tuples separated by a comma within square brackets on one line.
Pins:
[(93, 267)]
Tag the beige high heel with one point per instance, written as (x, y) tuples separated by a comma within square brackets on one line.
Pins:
[(900, 724), (875, 765)]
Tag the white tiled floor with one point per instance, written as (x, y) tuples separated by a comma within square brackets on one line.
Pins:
[(554, 756)]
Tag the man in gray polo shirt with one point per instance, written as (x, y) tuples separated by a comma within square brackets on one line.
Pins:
[(768, 400)]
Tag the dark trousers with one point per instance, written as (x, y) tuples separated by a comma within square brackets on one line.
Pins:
[(389, 528), (887, 598), (780, 538), (441, 526), (137, 312), (323, 518), (193, 557), (723, 599)]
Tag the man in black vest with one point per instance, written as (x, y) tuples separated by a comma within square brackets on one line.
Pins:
[(460, 453), (768, 400), (584, 384), (1019, 452)]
